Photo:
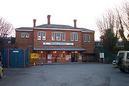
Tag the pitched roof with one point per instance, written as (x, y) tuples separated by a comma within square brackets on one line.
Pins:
[(24, 29), (54, 27), (86, 30)]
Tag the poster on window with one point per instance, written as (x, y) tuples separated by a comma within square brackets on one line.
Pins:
[(49, 56), (80, 57), (68, 57)]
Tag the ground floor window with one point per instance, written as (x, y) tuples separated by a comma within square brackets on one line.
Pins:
[(58, 56)]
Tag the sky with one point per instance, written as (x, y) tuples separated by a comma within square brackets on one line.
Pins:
[(20, 13)]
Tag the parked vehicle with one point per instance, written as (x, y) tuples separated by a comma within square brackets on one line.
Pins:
[(123, 61), (1, 71)]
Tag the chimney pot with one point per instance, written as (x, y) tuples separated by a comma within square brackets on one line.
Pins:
[(75, 23), (48, 19), (34, 22)]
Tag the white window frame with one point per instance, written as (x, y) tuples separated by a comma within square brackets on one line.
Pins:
[(27, 35), (58, 36), (63, 36), (53, 36), (74, 36), (41, 35), (86, 38), (24, 35), (38, 35)]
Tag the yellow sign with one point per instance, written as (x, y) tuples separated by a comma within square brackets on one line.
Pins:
[(34, 56)]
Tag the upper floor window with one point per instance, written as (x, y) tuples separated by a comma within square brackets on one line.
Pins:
[(24, 35), (58, 36), (74, 36), (63, 36), (86, 38), (41, 35)]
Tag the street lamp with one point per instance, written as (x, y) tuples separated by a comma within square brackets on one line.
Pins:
[(41, 57)]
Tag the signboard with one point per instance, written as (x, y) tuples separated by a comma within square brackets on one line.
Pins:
[(57, 43), (101, 55), (15, 51), (34, 55)]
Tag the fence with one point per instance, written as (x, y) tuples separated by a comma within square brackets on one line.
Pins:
[(15, 57)]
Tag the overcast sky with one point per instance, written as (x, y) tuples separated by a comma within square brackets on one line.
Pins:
[(21, 12)]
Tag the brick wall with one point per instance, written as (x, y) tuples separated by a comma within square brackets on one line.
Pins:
[(38, 43), (28, 42), (89, 46), (24, 42)]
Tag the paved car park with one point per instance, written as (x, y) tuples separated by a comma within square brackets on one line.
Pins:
[(89, 74)]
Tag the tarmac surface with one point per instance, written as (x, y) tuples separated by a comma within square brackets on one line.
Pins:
[(89, 74)]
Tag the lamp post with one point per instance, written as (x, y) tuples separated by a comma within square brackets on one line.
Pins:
[(42, 60)]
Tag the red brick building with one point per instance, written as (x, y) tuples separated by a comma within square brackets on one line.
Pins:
[(57, 43)]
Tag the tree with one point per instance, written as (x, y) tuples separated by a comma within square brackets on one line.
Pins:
[(118, 21), (108, 32), (109, 35), (123, 24), (6, 29)]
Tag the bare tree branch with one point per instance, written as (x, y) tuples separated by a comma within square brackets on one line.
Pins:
[(5, 28), (107, 22)]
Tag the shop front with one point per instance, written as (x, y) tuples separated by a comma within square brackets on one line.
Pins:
[(59, 55)]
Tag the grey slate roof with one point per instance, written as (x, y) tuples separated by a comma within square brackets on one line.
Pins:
[(53, 26), (24, 29), (84, 29)]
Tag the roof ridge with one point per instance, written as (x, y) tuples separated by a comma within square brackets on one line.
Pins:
[(54, 26)]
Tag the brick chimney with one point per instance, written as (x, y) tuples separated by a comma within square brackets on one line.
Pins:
[(75, 23), (34, 22), (48, 19)]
